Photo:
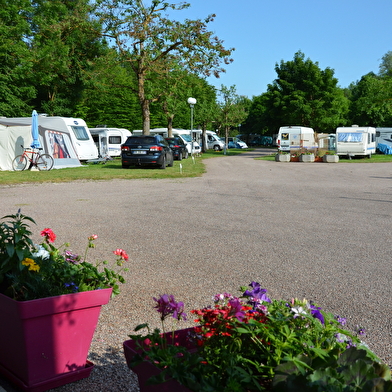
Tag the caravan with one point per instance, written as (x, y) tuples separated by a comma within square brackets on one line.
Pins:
[(355, 141), (214, 142), (109, 140), (295, 138), (67, 140)]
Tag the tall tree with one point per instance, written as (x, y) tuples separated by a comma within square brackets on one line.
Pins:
[(15, 60), (386, 65), (66, 40), (150, 41), (303, 94)]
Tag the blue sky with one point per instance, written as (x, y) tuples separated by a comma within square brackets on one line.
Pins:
[(349, 36)]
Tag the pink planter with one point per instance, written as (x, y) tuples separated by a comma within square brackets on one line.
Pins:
[(145, 370), (44, 343)]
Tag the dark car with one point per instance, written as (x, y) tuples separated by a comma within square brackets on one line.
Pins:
[(146, 150), (178, 147)]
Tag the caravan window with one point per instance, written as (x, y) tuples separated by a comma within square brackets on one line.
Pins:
[(348, 137), (114, 139), (80, 132)]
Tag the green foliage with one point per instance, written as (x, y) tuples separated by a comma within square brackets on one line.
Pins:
[(303, 94), (354, 370), (29, 271)]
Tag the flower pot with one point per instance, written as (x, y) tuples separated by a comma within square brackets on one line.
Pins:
[(306, 158), (282, 157), (44, 342), (146, 369), (318, 159), (331, 158), (294, 159)]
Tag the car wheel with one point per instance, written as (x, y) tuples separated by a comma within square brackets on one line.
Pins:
[(125, 166), (216, 148), (163, 165), (171, 163), (180, 156), (186, 154)]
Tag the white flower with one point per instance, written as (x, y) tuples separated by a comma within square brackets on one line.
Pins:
[(298, 310), (42, 253)]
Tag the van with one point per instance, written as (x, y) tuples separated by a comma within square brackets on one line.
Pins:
[(355, 141), (109, 140), (214, 142), (295, 137)]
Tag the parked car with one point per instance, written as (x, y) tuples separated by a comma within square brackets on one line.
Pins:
[(146, 150), (234, 142), (178, 147)]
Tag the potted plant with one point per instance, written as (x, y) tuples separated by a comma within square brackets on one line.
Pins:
[(294, 156), (331, 157), (282, 156), (247, 343), (306, 156), (50, 300)]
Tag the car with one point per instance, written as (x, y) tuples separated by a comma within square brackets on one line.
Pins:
[(149, 150), (178, 147), (234, 142)]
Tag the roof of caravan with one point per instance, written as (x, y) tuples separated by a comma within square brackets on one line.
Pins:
[(355, 129), (42, 120)]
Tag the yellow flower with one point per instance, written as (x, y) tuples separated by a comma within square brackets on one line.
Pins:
[(31, 264)]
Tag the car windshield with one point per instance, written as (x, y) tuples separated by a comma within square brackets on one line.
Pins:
[(141, 140), (187, 138)]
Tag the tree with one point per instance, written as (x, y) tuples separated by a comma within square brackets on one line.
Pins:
[(15, 59), (371, 101), (386, 65), (151, 42), (233, 109), (303, 94)]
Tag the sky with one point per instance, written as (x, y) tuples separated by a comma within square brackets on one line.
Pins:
[(348, 36)]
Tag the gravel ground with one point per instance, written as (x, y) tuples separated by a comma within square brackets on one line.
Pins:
[(320, 231)]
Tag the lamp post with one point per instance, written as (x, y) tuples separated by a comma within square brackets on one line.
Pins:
[(191, 102)]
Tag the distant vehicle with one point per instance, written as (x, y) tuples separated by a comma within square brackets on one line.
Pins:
[(214, 142), (355, 141), (178, 146), (109, 140), (384, 140), (234, 142), (295, 138), (146, 150)]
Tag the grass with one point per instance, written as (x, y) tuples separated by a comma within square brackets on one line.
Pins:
[(111, 170), (376, 158)]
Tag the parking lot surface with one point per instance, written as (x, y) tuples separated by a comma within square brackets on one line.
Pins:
[(314, 230)]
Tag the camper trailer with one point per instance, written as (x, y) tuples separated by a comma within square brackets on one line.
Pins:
[(355, 141), (384, 140), (67, 140), (295, 138), (214, 142), (108, 140)]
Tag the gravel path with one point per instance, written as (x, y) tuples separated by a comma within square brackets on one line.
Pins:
[(320, 231)]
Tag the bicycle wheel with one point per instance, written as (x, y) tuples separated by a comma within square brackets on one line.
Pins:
[(45, 162), (19, 163)]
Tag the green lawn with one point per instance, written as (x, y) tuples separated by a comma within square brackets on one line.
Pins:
[(111, 170)]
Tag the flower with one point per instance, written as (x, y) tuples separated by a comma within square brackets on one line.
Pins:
[(29, 271), (236, 346)]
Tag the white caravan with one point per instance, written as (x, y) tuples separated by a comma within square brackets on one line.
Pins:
[(296, 137), (355, 141), (109, 140), (68, 140)]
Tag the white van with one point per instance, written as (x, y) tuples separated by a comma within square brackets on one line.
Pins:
[(109, 140), (355, 141), (214, 142), (295, 137)]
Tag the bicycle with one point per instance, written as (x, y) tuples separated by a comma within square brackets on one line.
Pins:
[(32, 155)]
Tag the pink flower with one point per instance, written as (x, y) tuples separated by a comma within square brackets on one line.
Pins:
[(92, 237), (121, 253), (48, 234)]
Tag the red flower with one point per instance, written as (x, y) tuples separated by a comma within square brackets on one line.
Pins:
[(121, 253), (48, 234)]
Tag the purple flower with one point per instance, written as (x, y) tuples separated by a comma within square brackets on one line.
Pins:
[(167, 305), (341, 320), (236, 309), (315, 311), (257, 293), (71, 257), (360, 331)]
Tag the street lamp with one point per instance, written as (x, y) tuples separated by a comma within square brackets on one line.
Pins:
[(192, 103)]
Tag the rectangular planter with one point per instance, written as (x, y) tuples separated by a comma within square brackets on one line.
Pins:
[(306, 158), (44, 343), (146, 369), (331, 158), (282, 157)]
